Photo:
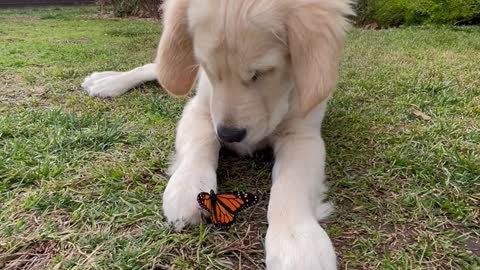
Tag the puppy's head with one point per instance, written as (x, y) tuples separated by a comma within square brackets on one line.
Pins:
[(262, 58)]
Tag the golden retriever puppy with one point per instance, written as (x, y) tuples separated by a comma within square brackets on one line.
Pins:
[(264, 70)]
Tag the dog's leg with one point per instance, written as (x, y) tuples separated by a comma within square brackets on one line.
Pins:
[(194, 167), (112, 83), (294, 238)]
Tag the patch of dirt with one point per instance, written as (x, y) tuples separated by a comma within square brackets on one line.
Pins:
[(397, 237), (14, 92), (19, 18), (393, 239), (14, 40), (109, 16), (36, 256), (473, 245), (133, 230), (61, 218), (71, 41), (249, 247)]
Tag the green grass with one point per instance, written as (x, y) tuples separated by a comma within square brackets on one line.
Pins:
[(82, 178)]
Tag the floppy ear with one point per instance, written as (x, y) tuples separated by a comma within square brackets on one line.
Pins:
[(316, 33), (176, 66)]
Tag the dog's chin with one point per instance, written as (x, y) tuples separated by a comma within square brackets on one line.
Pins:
[(246, 147), (242, 148)]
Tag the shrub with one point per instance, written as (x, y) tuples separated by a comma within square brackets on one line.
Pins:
[(151, 8), (141, 8), (363, 11), (409, 12), (123, 8)]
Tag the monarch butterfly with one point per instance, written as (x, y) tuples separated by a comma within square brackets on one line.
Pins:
[(224, 207)]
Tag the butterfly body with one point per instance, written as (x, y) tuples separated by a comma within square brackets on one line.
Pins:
[(224, 207)]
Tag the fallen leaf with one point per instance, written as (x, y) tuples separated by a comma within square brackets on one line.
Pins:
[(371, 26), (422, 116)]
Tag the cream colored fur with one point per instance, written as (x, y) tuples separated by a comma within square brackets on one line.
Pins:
[(268, 66)]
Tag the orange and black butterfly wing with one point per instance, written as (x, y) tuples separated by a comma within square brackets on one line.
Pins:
[(221, 217), (224, 207), (236, 202), (205, 201)]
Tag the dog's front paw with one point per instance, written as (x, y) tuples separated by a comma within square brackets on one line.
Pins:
[(105, 84), (301, 246), (180, 205)]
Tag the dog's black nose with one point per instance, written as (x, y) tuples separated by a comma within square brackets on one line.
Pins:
[(230, 134)]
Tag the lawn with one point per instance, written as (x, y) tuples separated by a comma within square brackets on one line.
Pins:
[(81, 178)]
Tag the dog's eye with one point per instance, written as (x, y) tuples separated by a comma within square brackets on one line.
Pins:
[(256, 75)]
